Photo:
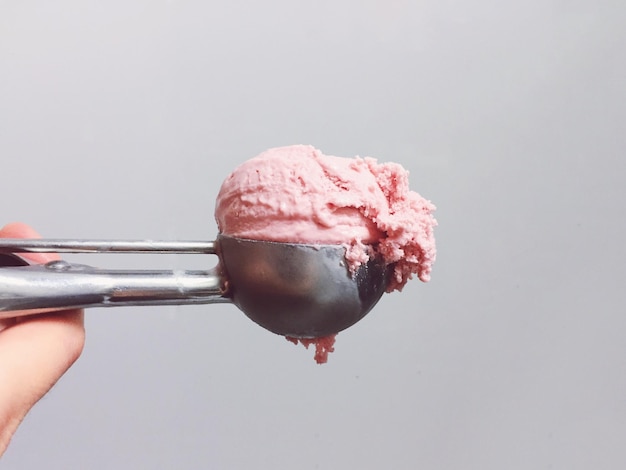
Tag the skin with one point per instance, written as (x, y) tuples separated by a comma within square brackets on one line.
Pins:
[(35, 351)]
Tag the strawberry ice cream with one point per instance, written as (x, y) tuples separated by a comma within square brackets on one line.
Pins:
[(296, 194)]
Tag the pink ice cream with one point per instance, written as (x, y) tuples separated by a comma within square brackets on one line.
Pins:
[(297, 194)]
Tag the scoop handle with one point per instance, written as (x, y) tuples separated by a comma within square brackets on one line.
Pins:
[(42, 245), (60, 285)]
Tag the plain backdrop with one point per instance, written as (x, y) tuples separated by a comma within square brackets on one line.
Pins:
[(120, 119)]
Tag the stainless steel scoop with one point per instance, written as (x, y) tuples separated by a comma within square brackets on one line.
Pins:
[(297, 290)]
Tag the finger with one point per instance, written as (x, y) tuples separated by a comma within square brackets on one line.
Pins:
[(21, 230), (34, 352)]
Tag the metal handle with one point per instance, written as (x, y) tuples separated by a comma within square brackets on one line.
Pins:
[(60, 285), (29, 245)]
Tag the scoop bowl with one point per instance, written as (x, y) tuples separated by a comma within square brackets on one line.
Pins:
[(299, 290)]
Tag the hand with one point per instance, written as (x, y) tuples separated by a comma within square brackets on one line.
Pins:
[(35, 351)]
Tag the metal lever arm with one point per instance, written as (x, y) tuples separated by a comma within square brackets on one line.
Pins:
[(59, 285), (39, 245)]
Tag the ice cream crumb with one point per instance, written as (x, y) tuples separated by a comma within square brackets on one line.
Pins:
[(324, 345)]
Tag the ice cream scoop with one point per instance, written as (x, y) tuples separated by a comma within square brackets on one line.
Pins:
[(297, 194), (296, 290)]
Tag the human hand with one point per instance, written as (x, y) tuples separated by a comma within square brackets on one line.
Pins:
[(35, 351)]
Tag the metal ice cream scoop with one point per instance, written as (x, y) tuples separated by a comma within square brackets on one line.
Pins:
[(297, 290)]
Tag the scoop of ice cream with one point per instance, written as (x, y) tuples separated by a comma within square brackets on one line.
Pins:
[(296, 194)]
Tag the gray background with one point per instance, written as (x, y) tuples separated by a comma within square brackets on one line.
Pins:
[(121, 119)]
